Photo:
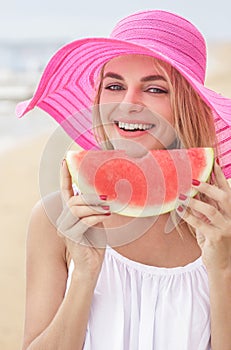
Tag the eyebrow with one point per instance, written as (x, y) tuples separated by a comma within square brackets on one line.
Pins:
[(144, 79)]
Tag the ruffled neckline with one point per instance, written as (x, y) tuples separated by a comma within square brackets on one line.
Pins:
[(156, 270)]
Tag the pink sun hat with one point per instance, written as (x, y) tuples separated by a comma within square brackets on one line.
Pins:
[(68, 85)]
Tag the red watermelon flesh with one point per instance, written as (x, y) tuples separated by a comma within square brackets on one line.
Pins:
[(140, 186)]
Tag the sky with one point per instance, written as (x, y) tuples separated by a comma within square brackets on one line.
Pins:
[(25, 19)]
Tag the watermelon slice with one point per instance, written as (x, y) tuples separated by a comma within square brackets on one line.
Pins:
[(144, 186)]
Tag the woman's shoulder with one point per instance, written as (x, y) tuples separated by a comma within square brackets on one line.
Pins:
[(49, 206), (42, 230)]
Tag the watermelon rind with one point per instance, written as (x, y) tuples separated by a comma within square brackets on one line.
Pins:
[(131, 210)]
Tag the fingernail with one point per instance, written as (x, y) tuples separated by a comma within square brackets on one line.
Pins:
[(195, 182), (217, 161), (180, 209), (103, 197), (182, 197), (107, 214), (105, 207), (63, 161)]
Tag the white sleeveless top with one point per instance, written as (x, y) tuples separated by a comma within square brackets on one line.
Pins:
[(141, 307)]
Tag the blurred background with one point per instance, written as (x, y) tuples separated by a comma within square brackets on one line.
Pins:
[(30, 32)]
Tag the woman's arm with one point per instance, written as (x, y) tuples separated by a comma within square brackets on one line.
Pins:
[(220, 308), (212, 221), (66, 223), (52, 321)]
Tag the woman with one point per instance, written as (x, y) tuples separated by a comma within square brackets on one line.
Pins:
[(157, 291)]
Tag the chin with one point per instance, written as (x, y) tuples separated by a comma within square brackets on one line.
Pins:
[(134, 149)]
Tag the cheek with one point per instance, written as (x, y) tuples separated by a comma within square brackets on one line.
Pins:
[(108, 96), (105, 96), (169, 113), (168, 110), (163, 108), (106, 111)]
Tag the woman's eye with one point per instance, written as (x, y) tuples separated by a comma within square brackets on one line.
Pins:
[(156, 90), (114, 87)]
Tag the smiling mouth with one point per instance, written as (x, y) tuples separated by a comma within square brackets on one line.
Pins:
[(134, 126)]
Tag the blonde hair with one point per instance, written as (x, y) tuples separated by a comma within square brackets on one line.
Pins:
[(98, 129), (192, 118)]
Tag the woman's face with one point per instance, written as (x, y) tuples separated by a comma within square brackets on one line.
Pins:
[(135, 105)]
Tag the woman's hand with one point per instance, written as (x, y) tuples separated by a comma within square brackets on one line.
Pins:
[(212, 221), (80, 225)]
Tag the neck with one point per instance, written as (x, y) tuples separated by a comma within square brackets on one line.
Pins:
[(124, 230), (146, 240)]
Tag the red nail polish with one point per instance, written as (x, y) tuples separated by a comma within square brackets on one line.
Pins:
[(105, 207), (103, 197), (107, 214), (195, 182), (217, 161), (182, 197), (180, 209)]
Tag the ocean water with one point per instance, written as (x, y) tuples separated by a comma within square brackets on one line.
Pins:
[(21, 66), (14, 130)]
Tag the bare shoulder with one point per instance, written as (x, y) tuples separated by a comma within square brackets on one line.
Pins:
[(42, 233), (46, 267), (48, 208)]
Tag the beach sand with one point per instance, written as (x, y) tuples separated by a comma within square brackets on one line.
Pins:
[(19, 192), (20, 189)]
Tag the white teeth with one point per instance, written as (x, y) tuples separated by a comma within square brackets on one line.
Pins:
[(129, 126)]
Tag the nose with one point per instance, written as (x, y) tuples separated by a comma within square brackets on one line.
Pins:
[(131, 102)]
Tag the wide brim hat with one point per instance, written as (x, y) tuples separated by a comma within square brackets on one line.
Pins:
[(68, 85)]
